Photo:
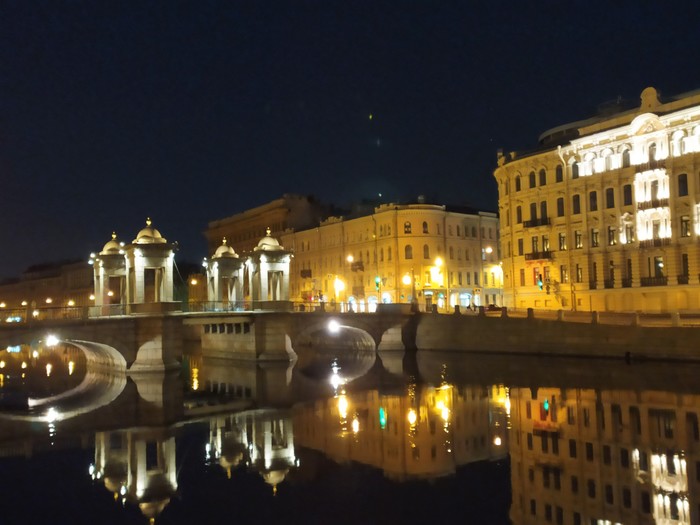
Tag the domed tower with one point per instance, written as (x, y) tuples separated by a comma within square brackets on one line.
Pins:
[(268, 274), (149, 266), (109, 267), (225, 278)]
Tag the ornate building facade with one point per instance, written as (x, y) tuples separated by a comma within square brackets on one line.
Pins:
[(419, 253), (605, 214)]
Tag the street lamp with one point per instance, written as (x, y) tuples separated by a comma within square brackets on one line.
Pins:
[(485, 252), (338, 286), (437, 277), (411, 279)]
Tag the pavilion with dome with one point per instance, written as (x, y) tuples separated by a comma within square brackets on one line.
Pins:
[(138, 277), (262, 277)]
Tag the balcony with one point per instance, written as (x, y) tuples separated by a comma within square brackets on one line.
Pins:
[(357, 266), (538, 255), (653, 243), (608, 283), (650, 165), (682, 279), (654, 281), (544, 221), (653, 203), (626, 282)]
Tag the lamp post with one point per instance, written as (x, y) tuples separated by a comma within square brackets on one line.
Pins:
[(350, 259), (438, 277), (488, 250), (411, 279), (338, 286)]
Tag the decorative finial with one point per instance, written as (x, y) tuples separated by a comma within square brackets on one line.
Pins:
[(114, 235), (224, 241), (268, 231), (148, 221)]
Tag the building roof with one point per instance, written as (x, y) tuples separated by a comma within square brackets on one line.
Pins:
[(149, 235)]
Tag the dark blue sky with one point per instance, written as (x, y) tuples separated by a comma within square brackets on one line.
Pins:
[(187, 112)]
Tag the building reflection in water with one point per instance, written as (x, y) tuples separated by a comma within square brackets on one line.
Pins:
[(137, 465), (595, 456), (421, 431), (620, 448), (260, 440)]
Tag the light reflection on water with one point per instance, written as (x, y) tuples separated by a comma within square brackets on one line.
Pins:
[(502, 440)]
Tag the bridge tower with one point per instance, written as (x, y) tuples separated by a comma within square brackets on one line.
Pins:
[(149, 269), (268, 275), (225, 272), (110, 276)]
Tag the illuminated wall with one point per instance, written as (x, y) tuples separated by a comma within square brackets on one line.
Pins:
[(450, 257), (606, 211)]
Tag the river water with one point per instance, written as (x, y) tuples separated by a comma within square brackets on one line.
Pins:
[(352, 438)]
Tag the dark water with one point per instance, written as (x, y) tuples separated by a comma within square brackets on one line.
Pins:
[(422, 438)]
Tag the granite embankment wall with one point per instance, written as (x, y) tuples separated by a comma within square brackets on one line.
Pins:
[(529, 336)]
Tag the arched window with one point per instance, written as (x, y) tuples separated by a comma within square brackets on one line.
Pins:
[(408, 252), (559, 173), (543, 177), (407, 227), (517, 183), (574, 170), (532, 179), (626, 158), (677, 143), (426, 251), (652, 151), (425, 227)]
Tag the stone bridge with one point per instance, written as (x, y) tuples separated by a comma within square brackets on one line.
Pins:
[(281, 336), (133, 343), (147, 343)]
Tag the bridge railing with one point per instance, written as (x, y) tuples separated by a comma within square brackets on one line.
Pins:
[(48, 313), (215, 306), (668, 319)]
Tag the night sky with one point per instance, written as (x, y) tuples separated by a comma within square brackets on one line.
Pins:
[(187, 112)]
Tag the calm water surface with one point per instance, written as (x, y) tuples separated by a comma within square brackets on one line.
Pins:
[(351, 438)]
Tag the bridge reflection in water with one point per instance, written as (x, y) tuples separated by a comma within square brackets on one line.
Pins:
[(391, 437)]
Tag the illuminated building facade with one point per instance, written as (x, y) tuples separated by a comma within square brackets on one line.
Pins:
[(590, 456), (46, 286), (605, 214), (398, 253)]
